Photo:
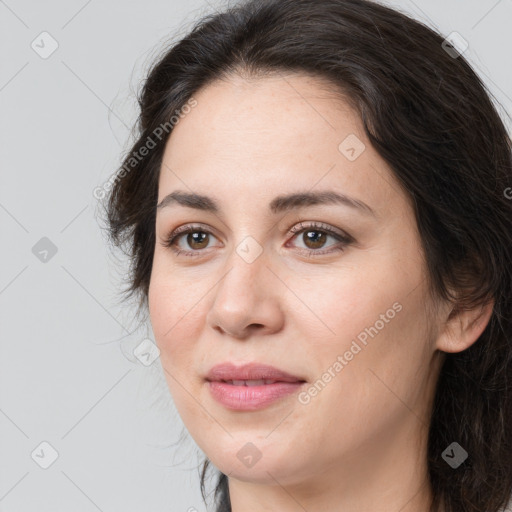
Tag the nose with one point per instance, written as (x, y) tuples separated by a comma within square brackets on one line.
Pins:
[(247, 299)]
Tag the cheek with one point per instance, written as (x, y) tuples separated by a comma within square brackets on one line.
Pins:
[(335, 307), (372, 392), (374, 317), (176, 317)]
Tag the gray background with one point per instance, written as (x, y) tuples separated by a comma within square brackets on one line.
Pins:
[(68, 375)]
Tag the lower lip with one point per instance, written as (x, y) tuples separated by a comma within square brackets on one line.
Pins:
[(250, 398)]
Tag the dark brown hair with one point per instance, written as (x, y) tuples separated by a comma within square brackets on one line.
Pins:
[(432, 120)]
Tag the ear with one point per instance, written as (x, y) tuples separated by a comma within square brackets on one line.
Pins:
[(461, 328)]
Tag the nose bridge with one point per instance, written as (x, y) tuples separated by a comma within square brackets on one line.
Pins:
[(246, 269), (243, 296)]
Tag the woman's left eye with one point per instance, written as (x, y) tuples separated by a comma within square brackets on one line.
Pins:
[(315, 234), (314, 237)]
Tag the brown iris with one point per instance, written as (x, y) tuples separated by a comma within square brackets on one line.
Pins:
[(317, 241), (197, 237)]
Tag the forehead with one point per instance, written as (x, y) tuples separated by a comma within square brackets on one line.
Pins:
[(273, 133), (278, 113)]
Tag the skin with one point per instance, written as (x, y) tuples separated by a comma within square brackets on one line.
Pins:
[(360, 443)]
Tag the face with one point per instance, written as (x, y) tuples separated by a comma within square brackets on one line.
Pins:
[(331, 292)]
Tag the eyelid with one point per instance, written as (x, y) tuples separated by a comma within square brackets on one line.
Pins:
[(320, 226)]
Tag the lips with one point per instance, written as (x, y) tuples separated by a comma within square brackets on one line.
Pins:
[(250, 387), (251, 374)]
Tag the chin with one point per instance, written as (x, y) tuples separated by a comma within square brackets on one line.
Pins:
[(257, 462)]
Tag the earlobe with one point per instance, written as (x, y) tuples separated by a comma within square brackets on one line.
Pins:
[(463, 327)]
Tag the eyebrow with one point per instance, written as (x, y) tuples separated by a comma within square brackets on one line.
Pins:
[(279, 204)]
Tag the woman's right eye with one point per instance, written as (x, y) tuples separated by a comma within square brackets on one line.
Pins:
[(197, 238)]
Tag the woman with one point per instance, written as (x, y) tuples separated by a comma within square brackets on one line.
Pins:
[(317, 211)]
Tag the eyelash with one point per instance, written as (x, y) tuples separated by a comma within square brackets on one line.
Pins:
[(344, 239)]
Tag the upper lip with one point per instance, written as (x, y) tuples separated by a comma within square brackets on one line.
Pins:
[(249, 371)]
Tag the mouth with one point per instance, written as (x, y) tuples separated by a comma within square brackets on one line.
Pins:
[(252, 386), (250, 374), (249, 383)]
